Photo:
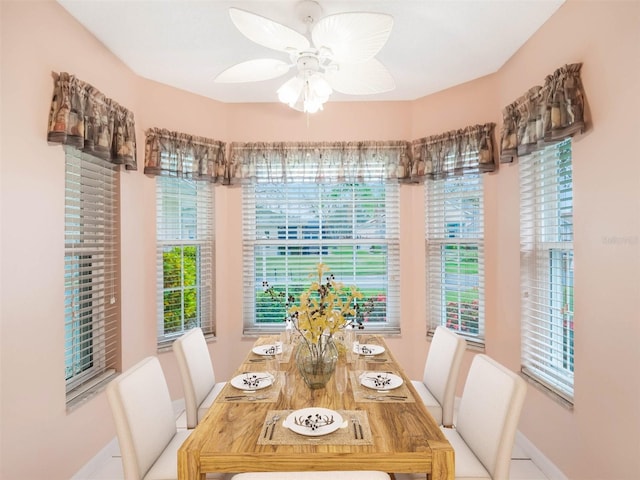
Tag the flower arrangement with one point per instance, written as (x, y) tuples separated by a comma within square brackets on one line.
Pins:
[(325, 307), (322, 309)]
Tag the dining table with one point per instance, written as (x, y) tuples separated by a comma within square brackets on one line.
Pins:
[(266, 419)]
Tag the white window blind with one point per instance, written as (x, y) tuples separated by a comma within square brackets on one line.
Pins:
[(546, 234), (91, 272), (455, 254), (185, 246), (352, 227)]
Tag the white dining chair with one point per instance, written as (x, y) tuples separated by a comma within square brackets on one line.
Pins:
[(437, 388), (197, 374), (145, 423), (486, 423), (340, 475)]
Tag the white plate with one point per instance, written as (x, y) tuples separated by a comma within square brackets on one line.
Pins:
[(326, 421), (366, 349), (252, 381), (270, 349), (380, 380)]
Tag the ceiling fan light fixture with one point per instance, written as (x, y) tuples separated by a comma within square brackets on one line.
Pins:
[(320, 87), (316, 92), (305, 93), (291, 90)]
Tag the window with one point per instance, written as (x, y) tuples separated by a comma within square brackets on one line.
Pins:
[(91, 272), (455, 254), (546, 237), (184, 256), (352, 227)]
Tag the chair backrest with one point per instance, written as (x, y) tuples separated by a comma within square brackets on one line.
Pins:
[(143, 413), (442, 368), (196, 371), (489, 413)]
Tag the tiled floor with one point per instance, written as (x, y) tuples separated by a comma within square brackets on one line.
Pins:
[(107, 464)]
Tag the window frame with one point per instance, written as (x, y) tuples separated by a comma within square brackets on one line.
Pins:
[(439, 238), (546, 238), (321, 245), (92, 273), (174, 231)]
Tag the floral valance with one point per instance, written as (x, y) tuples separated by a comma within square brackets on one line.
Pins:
[(173, 153), (544, 115), (81, 116), (453, 153), (320, 161)]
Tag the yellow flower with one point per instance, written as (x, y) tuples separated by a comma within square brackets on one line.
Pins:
[(324, 307)]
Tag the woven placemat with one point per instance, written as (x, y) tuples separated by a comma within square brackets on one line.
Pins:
[(270, 394), (364, 394), (343, 436)]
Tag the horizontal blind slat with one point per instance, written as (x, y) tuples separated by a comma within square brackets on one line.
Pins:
[(184, 256), (455, 254), (289, 227), (92, 310), (546, 233)]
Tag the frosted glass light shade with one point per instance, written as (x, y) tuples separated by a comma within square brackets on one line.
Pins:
[(320, 87), (307, 95), (290, 91)]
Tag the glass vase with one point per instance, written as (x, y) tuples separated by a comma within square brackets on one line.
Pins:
[(316, 362)]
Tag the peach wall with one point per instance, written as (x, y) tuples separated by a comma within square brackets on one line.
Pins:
[(356, 121), (39, 438), (34, 422), (163, 107), (600, 438), (473, 102)]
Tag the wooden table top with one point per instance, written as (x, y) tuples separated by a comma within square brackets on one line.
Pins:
[(405, 438)]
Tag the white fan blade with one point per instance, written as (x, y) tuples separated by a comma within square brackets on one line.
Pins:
[(353, 37), (361, 78), (253, 71), (267, 32)]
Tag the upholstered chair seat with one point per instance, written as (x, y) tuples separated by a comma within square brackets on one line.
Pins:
[(197, 374), (438, 385), (166, 465), (467, 464), (431, 402)]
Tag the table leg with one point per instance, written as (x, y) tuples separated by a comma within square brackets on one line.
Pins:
[(443, 463), (189, 466)]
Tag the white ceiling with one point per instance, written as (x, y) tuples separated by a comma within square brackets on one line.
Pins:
[(434, 45)]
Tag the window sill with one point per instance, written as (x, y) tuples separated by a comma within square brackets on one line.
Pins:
[(167, 344), (475, 346), (473, 343), (83, 393), (556, 397)]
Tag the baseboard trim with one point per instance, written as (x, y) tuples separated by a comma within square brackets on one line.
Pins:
[(98, 460), (540, 459)]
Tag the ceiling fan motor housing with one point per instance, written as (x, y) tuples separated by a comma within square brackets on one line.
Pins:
[(308, 63)]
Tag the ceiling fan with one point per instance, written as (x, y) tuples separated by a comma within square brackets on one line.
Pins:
[(339, 55)]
